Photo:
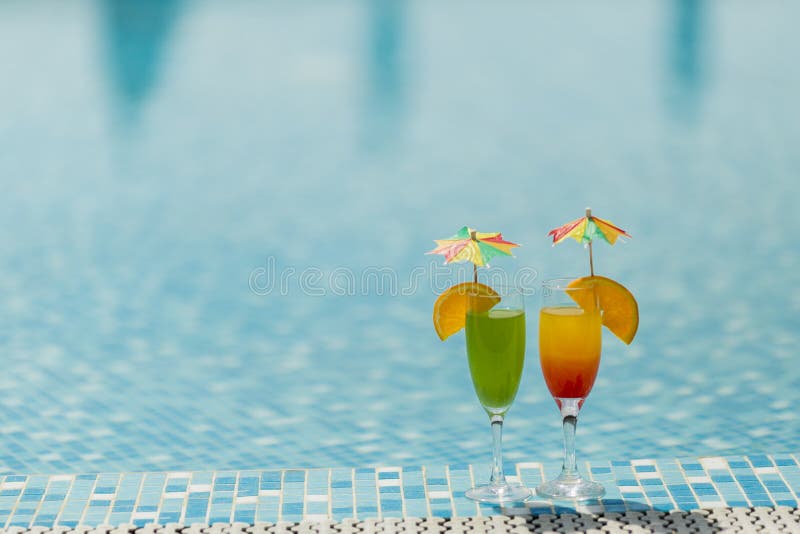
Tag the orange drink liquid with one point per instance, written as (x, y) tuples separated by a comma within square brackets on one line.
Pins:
[(569, 349)]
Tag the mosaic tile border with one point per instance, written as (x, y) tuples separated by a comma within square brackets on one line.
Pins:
[(294, 495), (762, 519)]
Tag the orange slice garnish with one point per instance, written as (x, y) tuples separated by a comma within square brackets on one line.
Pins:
[(620, 310), (450, 309)]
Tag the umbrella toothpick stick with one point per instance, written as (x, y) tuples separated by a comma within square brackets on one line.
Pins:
[(473, 235), (591, 260)]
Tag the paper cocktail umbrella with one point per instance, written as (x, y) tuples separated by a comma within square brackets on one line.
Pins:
[(473, 246), (585, 230)]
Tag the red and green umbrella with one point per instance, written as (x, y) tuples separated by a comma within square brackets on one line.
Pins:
[(470, 245), (587, 229)]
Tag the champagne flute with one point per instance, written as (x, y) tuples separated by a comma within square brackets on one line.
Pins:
[(569, 353), (495, 332)]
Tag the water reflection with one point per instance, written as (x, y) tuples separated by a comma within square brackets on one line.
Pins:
[(136, 34), (386, 71), (686, 57)]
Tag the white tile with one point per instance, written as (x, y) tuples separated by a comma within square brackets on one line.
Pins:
[(652, 474), (61, 478), (438, 494), (174, 494), (711, 504), (537, 503), (388, 482), (316, 517), (198, 487), (102, 497), (694, 480), (143, 515), (714, 462), (179, 474), (629, 488), (591, 509), (13, 485), (765, 470), (643, 462), (250, 499), (269, 493), (316, 498)]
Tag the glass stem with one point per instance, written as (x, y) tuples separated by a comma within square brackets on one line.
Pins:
[(498, 478), (570, 468)]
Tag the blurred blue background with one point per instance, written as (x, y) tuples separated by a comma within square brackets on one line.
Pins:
[(154, 155)]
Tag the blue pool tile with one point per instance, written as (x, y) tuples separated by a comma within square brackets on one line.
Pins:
[(391, 505), (293, 508), (245, 516), (645, 468), (760, 460), (692, 466), (738, 465), (271, 476), (388, 475), (147, 508), (414, 492), (721, 478)]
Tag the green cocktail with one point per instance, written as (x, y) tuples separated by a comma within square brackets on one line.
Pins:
[(495, 327), (496, 353)]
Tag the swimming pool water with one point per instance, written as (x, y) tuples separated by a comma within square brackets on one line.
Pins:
[(154, 157)]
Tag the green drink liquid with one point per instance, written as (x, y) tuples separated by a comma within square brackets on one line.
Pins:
[(496, 353)]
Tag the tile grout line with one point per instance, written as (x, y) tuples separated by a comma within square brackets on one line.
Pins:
[(739, 484), (472, 485), (63, 501), (89, 500), (424, 472), (39, 504), (330, 494), (353, 492), (450, 490)]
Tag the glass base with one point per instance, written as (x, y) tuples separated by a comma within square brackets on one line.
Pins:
[(504, 494), (573, 489)]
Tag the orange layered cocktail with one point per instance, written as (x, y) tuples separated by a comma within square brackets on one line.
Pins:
[(569, 349)]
